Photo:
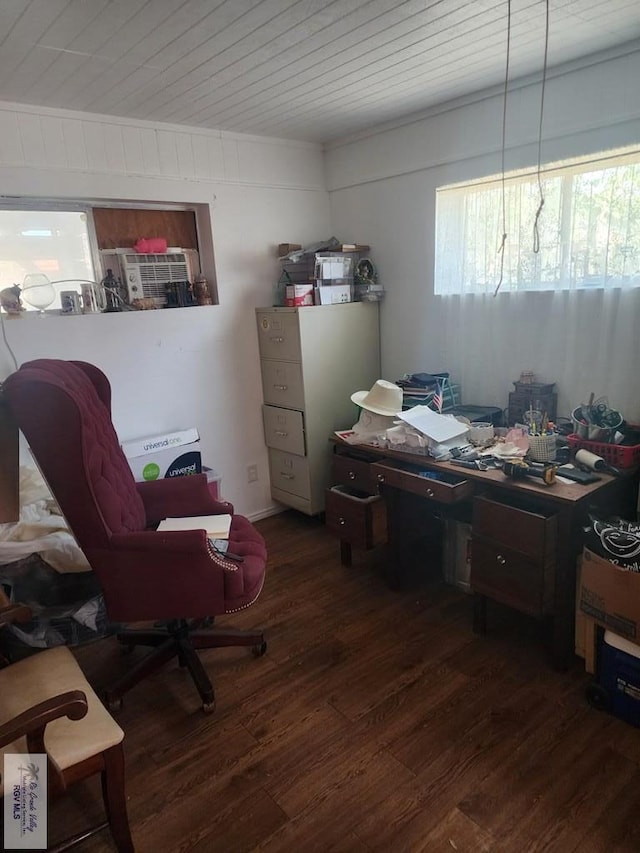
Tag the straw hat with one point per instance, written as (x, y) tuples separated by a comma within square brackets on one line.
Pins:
[(384, 398)]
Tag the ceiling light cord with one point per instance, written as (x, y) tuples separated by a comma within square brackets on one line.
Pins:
[(503, 242), (536, 232)]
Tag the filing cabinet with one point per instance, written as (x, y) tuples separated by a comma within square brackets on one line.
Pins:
[(312, 359)]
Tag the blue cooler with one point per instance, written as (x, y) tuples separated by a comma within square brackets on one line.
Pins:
[(619, 676)]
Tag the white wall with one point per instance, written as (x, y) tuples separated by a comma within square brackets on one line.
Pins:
[(186, 366), (382, 189)]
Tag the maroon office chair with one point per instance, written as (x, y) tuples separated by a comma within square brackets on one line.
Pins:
[(176, 579)]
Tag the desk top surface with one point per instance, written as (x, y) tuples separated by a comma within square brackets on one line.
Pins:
[(558, 492)]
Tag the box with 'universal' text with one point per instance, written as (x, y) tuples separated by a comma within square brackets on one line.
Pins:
[(174, 454)]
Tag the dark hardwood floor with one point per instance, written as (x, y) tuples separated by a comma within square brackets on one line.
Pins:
[(377, 721)]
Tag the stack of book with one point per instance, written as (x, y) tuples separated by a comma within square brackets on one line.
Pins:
[(420, 389)]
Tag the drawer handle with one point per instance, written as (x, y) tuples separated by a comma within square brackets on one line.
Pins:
[(281, 433), (341, 521), (501, 559), (429, 493), (287, 476), (352, 475), (277, 340), (381, 478), (281, 387)]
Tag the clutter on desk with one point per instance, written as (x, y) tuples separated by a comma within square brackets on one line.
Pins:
[(529, 393), (481, 434), (429, 389), (328, 272), (603, 431), (383, 398), (379, 407)]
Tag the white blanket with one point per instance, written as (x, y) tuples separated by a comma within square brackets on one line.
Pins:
[(41, 529)]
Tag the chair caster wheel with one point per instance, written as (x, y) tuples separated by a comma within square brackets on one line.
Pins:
[(209, 707), (598, 697), (260, 650)]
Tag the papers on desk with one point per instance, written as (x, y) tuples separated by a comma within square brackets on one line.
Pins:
[(217, 526), (439, 428)]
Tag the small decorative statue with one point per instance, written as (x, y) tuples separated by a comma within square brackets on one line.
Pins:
[(10, 300), (366, 272)]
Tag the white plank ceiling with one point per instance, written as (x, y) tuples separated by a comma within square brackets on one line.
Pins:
[(315, 70)]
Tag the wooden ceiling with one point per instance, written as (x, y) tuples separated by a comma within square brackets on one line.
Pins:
[(316, 70)]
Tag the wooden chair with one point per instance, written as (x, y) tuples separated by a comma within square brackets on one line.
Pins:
[(47, 706)]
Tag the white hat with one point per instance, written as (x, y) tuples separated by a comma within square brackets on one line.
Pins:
[(384, 398)]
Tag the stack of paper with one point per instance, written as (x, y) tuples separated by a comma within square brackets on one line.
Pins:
[(217, 526), (439, 428)]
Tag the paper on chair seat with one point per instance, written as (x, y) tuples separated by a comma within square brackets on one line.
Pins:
[(438, 428), (217, 526)]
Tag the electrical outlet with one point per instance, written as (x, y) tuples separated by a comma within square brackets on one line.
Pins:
[(252, 473)]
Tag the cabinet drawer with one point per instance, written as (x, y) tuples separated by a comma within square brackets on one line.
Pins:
[(446, 488), (279, 335), (354, 472), (282, 384), (511, 577), (289, 473), (283, 429), (530, 533), (355, 517)]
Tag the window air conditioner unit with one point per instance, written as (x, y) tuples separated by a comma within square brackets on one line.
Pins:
[(145, 276)]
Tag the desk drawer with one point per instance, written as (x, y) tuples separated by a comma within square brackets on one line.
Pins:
[(354, 472), (279, 335), (283, 429), (508, 576), (532, 533), (446, 489), (282, 384), (290, 473), (355, 517)]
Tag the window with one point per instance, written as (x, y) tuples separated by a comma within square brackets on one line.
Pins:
[(589, 229), (72, 242), (54, 242)]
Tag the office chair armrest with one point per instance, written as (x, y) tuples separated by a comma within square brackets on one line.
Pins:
[(171, 541), (176, 497), (32, 722)]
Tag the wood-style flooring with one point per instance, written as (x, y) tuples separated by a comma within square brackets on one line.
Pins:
[(377, 721)]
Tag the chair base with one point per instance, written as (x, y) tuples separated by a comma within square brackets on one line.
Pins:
[(180, 639)]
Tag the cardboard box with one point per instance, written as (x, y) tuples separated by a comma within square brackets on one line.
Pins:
[(610, 596), (334, 294), (298, 294), (174, 454), (585, 629), (213, 482)]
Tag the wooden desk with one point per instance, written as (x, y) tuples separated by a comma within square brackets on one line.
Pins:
[(526, 536)]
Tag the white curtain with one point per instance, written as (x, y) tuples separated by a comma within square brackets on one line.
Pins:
[(585, 341)]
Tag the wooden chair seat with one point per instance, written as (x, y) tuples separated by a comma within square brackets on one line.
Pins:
[(48, 706), (46, 675)]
